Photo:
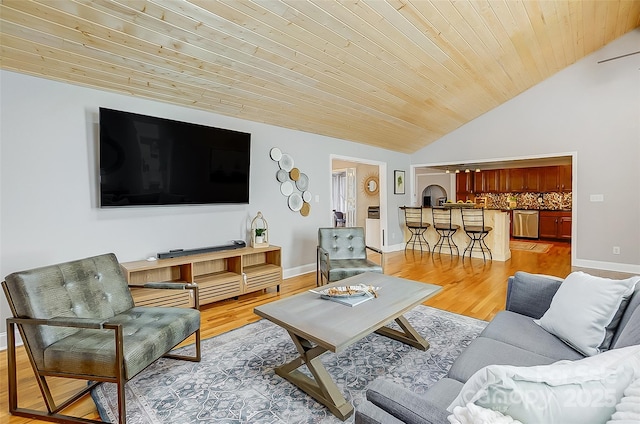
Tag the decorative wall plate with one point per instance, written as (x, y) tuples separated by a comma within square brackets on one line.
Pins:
[(286, 188), (293, 183), (303, 182), (275, 154), (294, 174), (286, 162), (282, 175), (295, 202), (306, 208)]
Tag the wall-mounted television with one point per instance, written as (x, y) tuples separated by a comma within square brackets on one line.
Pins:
[(147, 161)]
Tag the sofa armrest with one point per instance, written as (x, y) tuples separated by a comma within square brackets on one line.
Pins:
[(531, 294), (405, 405), (368, 413)]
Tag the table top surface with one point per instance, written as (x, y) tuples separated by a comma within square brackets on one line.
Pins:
[(335, 326)]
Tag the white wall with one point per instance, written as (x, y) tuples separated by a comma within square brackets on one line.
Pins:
[(591, 109), (48, 184)]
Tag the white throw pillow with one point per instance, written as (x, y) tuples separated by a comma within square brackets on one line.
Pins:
[(582, 309), (584, 391)]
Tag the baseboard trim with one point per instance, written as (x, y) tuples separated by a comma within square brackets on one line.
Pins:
[(608, 266), (3, 340), (393, 248), (299, 270)]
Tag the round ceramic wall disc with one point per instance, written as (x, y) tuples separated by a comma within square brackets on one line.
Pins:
[(294, 174), (295, 202), (282, 175), (286, 188), (306, 196), (306, 208), (302, 182), (275, 154), (286, 162)]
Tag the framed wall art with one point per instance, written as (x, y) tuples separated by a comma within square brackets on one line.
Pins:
[(398, 182)]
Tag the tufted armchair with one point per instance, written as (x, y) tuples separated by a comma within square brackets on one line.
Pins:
[(78, 320), (342, 253)]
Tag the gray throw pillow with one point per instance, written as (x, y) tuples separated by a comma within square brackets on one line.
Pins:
[(531, 294)]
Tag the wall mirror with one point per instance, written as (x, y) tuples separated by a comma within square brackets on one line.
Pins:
[(371, 185)]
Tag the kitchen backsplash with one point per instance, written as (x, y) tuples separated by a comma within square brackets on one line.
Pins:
[(550, 201)]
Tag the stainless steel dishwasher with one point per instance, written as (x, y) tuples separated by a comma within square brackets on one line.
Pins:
[(525, 223)]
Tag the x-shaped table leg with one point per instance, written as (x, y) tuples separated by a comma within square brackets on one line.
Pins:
[(409, 335), (321, 387)]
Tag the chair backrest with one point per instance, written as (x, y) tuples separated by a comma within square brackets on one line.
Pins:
[(413, 217), (87, 288), (343, 242), (472, 218), (441, 218)]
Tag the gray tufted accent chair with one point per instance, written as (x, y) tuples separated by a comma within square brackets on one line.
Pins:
[(78, 320), (342, 253)]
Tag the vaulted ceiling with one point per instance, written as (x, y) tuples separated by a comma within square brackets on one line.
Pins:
[(397, 74)]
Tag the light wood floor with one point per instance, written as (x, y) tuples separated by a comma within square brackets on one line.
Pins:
[(470, 287)]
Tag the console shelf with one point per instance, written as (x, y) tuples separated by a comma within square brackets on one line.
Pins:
[(220, 275)]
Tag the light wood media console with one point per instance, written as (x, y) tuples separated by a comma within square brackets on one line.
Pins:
[(220, 275)]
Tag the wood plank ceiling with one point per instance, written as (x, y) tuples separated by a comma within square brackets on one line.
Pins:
[(397, 74)]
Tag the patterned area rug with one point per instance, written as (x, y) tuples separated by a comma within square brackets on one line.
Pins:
[(236, 382), (530, 246)]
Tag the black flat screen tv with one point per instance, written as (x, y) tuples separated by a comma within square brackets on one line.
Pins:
[(147, 161)]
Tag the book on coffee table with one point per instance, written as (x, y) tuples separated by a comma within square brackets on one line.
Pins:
[(350, 301)]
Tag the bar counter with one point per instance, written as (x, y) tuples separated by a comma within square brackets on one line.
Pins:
[(497, 240)]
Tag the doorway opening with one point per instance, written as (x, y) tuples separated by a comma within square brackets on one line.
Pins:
[(357, 192), (433, 195)]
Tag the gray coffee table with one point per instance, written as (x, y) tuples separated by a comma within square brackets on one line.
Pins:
[(317, 325)]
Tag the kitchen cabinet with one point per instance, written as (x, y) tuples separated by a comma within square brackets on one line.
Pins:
[(524, 180), (489, 181), (543, 179), (478, 182), (464, 185), (555, 225), (564, 178), (503, 180), (517, 180), (533, 179), (555, 178), (549, 179)]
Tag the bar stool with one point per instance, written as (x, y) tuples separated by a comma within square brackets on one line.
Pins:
[(473, 224), (445, 229), (417, 227)]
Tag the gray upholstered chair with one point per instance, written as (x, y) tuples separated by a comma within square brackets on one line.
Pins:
[(342, 253), (78, 320)]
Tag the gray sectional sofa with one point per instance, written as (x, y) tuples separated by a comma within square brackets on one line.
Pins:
[(511, 338)]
